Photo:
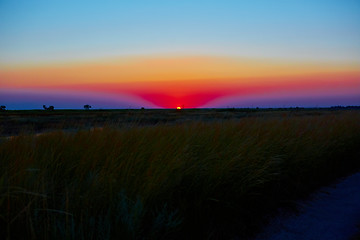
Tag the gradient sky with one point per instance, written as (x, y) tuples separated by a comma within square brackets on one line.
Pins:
[(120, 54)]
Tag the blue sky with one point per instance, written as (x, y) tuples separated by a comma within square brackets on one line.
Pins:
[(43, 31)]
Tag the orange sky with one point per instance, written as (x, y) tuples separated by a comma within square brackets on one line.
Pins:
[(192, 80)]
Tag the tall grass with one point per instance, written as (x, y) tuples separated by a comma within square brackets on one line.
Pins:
[(195, 180)]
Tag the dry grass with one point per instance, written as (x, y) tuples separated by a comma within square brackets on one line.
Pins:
[(204, 180)]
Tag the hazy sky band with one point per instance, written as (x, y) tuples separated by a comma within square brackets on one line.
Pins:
[(192, 81)]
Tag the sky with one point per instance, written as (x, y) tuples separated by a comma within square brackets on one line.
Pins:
[(164, 54)]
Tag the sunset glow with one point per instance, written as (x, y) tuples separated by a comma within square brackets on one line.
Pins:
[(223, 62)]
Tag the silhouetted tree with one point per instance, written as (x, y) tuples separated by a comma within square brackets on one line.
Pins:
[(87, 107), (2, 108), (50, 108)]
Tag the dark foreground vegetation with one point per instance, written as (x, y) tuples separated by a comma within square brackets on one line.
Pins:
[(206, 174)]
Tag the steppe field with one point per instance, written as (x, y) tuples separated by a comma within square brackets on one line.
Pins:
[(166, 174)]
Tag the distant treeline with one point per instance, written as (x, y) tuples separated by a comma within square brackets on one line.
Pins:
[(245, 109), (347, 107), (253, 109)]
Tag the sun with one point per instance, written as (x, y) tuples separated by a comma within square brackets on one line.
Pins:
[(178, 108)]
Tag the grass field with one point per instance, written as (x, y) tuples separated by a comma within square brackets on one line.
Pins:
[(162, 174), (15, 122)]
